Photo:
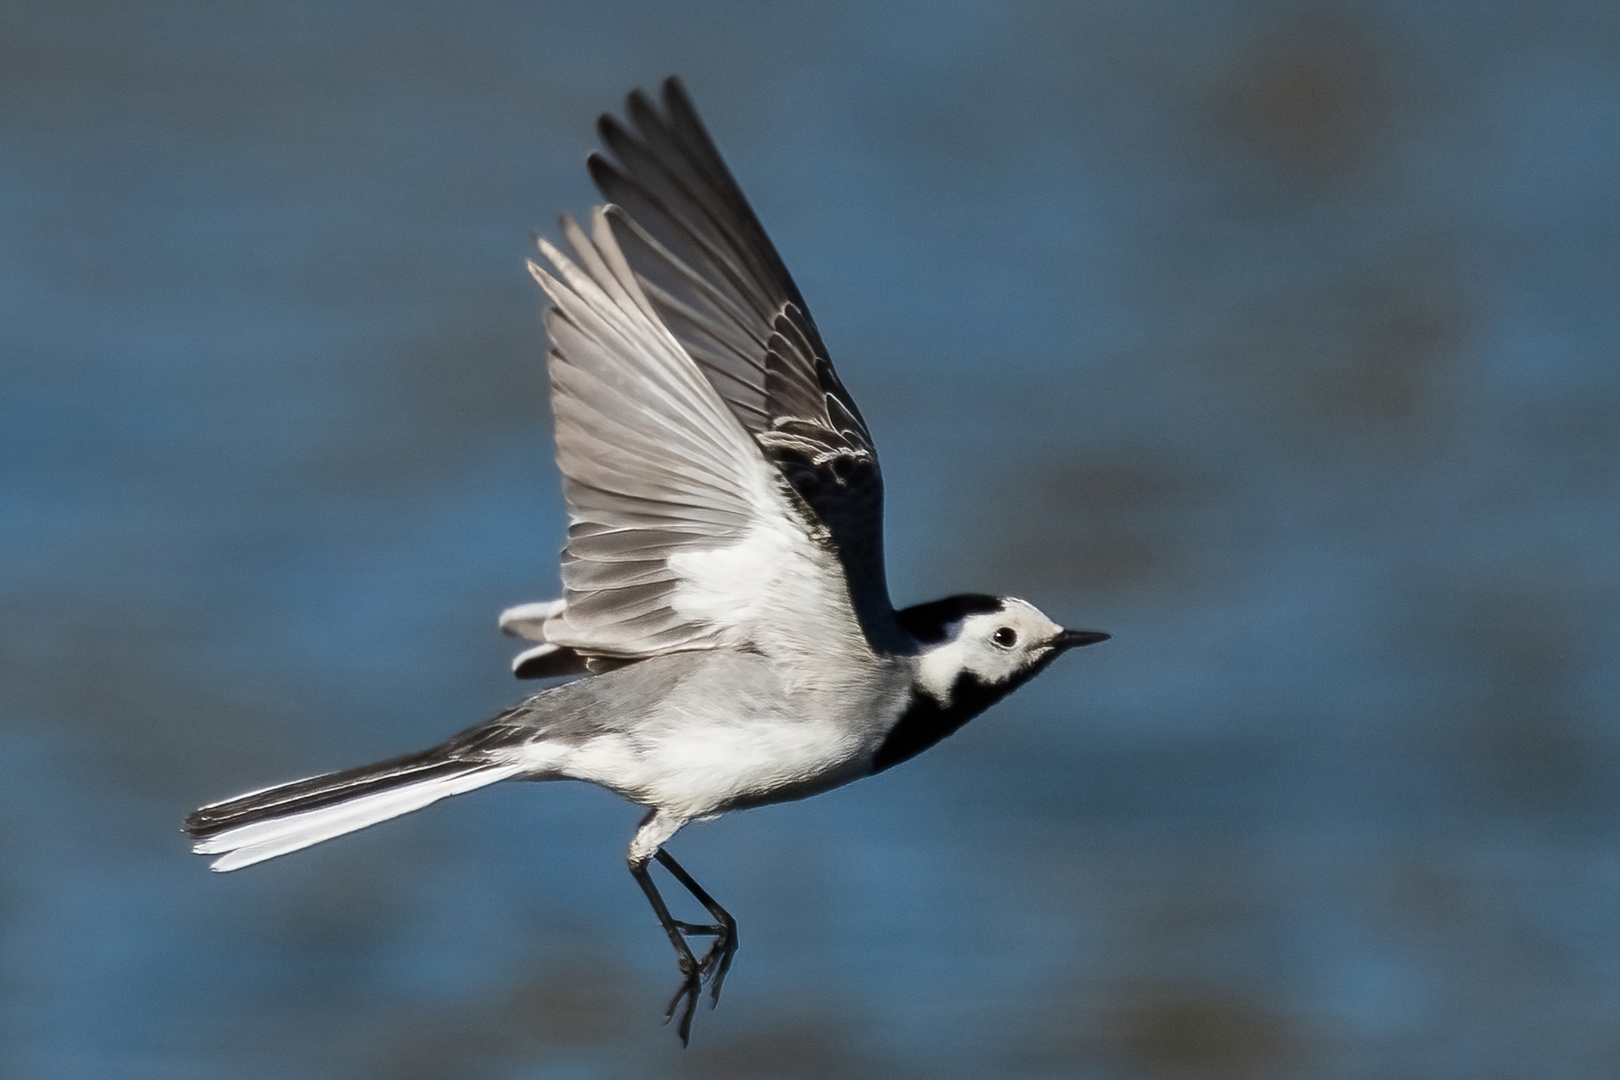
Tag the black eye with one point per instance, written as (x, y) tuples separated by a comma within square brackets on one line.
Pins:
[(1006, 637)]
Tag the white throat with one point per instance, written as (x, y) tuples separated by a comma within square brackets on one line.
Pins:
[(938, 668)]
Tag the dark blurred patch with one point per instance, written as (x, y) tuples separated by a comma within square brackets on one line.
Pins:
[(1122, 524), (428, 409), (1420, 895), (1403, 336), (576, 1001), (822, 1048), (1202, 1035), (1505, 648), (1312, 99), (1175, 1032), (336, 1007), (563, 1005), (1369, 354)]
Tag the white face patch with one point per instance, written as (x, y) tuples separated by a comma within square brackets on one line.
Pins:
[(991, 647)]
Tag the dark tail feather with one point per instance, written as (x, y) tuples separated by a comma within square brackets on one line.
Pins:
[(315, 792), (263, 824)]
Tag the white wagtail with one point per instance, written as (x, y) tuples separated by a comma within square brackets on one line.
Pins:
[(724, 589)]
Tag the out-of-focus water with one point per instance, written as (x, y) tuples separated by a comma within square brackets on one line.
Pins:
[(1276, 338)]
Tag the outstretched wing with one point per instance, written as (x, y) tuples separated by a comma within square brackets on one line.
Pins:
[(681, 534), (719, 287)]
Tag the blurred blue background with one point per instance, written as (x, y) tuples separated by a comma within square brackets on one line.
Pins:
[(1275, 337)]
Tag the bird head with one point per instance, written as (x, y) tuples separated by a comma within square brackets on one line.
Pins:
[(995, 642)]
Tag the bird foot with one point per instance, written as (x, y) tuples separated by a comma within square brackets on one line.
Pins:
[(709, 971)]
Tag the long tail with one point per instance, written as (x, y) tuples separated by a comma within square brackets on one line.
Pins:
[(263, 824)]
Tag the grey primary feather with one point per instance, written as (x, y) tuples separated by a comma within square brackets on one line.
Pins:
[(719, 286)]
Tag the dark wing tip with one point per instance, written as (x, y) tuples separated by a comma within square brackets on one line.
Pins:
[(675, 94), (603, 169), (638, 99), (608, 128)]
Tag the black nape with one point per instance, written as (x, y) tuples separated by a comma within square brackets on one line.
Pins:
[(929, 622)]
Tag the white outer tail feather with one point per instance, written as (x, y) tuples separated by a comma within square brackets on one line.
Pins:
[(257, 841)]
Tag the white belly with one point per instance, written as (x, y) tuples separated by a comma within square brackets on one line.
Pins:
[(698, 769)]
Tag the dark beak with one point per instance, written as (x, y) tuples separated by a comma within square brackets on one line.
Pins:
[(1073, 639)]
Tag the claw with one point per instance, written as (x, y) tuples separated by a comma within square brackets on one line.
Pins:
[(690, 991), (708, 972), (718, 977)]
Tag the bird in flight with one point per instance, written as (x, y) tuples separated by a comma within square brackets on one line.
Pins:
[(725, 615)]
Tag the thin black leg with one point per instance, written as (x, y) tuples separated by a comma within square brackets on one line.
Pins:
[(717, 961), (692, 988)]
